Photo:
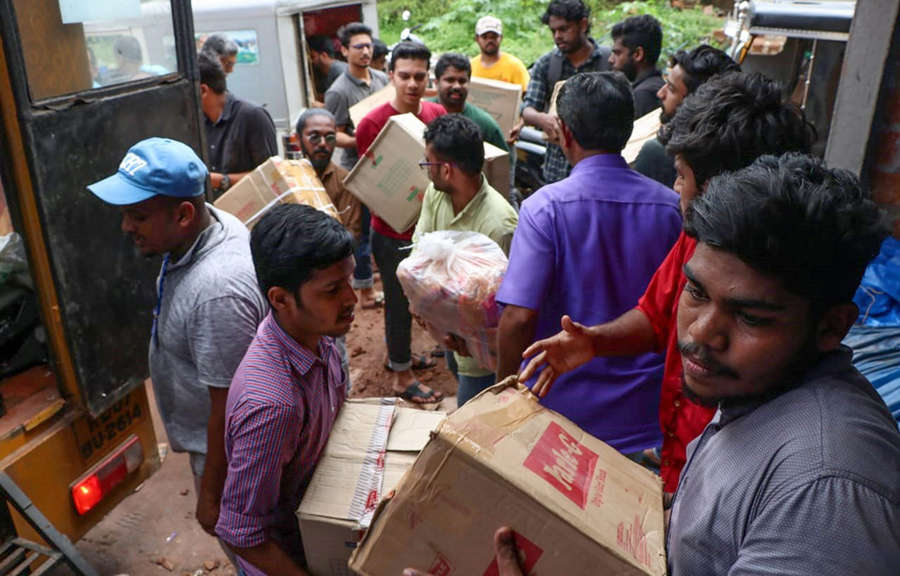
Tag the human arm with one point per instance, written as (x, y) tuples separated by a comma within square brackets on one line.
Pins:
[(215, 179), (515, 333), (537, 99), (545, 122), (365, 135), (344, 140), (270, 559), (629, 334), (216, 466), (337, 103)]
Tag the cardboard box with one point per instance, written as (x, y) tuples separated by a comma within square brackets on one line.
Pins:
[(645, 128), (373, 443), (359, 110), (554, 97), (387, 178), (275, 181), (578, 507), (496, 168), (499, 99)]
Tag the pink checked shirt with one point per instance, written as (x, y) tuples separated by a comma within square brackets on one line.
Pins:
[(281, 406)]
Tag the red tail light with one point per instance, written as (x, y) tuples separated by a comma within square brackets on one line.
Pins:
[(99, 481)]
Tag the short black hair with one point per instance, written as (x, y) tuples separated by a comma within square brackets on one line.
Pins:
[(598, 108), (733, 119), (701, 64), (220, 45), (813, 228), (410, 50), (321, 43), (454, 59), (568, 10), (379, 48), (309, 113), (211, 72), (644, 31), (291, 241), (348, 31), (457, 139)]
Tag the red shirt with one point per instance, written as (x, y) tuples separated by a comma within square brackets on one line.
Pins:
[(368, 130), (681, 420)]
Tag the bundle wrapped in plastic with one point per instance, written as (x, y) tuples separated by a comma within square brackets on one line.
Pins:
[(451, 280)]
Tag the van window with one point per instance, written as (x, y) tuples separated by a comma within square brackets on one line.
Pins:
[(248, 47), (77, 45)]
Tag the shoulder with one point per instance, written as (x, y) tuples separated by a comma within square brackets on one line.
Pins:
[(378, 75), (543, 62), (377, 116), (511, 59), (432, 110), (264, 375)]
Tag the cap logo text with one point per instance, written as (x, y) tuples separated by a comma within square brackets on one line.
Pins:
[(132, 163)]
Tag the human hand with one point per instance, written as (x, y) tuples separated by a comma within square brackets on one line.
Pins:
[(504, 550), (557, 355), (457, 344), (207, 512), (215, 179), (514, 133), (550, 127)]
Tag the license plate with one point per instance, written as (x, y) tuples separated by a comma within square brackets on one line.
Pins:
[(95, 436)]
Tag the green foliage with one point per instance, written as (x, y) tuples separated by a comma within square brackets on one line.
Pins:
[(449, 25)]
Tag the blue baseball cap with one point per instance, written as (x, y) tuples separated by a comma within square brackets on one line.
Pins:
[(152, 167)]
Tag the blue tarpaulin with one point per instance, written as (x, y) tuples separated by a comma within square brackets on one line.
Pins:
[(876, 353)]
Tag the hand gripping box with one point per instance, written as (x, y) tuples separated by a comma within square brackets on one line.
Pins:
[(578, 507), (372, 444), (275, 181), (499, 99)]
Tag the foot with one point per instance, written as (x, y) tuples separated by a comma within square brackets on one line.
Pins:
[(407, 387), (369, 298)]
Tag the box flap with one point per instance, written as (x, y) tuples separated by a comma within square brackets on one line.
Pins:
[(645, 128), (359, 110)]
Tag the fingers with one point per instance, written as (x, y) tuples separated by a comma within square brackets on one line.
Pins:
[(532, 366), (505, 550), (544, 382), (413, 572), (571, 326), (533, 349)]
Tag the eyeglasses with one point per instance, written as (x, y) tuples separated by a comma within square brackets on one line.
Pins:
[(424, 165), (315, 138), (361, 46)]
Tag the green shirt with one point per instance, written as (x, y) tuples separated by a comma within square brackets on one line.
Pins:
[(487, 212), (490, 130)]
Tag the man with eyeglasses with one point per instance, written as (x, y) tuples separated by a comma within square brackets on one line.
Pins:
[(358, 82)]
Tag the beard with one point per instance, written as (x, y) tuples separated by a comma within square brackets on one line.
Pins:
[(629, 70)]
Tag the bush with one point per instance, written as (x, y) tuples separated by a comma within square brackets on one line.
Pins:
[(450, 26)]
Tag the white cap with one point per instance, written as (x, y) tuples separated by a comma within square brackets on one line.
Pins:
[(487, 24)]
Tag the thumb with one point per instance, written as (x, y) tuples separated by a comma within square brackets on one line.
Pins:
[(571, 326), (505, 549)]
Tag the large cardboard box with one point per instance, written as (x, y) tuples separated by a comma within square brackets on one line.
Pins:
[(496, 168), (499, 99), (645, 128), (387, 178), (275, 181), (359, 110), (578, 507), (372, 444)]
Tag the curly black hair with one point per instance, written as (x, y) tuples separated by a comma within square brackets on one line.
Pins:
[(733, 119), (701, 64), (644, 31), (457, 139), (568, 10)]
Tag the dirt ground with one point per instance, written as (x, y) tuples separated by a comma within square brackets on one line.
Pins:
[(153, 532)]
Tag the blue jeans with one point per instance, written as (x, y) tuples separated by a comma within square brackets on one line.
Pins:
[(362, 274), (468, 386)]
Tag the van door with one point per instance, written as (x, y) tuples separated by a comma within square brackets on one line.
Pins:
[(86, 81)]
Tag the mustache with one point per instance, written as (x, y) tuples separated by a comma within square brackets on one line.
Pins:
[(701, 355)]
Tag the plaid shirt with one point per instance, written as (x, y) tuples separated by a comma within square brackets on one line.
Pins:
[(281, 406), (538, 97)]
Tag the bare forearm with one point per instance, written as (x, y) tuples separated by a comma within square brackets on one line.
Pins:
[(516, 331), (270, 558), (532, 117), (344, 140), (629, 334), (216, 467)]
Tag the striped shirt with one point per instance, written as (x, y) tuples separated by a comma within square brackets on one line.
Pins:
[(281, 406)]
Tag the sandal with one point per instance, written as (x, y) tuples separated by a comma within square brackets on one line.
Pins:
[(414, 394), (376, 302)]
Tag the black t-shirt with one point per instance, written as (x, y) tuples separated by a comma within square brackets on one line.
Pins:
[(653, 162), (242, 139)]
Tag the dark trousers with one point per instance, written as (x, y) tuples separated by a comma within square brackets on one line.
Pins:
[(362, 274), (388, 253)]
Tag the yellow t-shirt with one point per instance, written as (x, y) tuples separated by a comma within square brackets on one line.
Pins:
[(507, 69)]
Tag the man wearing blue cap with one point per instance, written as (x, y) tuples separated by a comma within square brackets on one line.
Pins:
[(208, 304)]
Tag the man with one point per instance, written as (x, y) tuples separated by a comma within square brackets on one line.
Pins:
[(492, 63), (460, 198), (687, 71), (289, 388), (318, 135), (207, 307), (239, 135), (575, 52), (637, 42), (452, 73), (797, 474), (408, 70), (725, 125), (224, 49), (358, 82), (379, 55), (587, 245), (326, 68)]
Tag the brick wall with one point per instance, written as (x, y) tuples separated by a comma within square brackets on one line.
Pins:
[(884, 172)]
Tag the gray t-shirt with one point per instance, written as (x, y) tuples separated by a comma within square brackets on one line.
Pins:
[(346, 91), (211, 306), (805, 483)]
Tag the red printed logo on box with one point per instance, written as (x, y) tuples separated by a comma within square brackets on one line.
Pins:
[(440, 567), (563, 462), (529, 553)]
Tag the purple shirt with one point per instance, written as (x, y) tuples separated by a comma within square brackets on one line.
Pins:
[(587, 246), (281, 406)]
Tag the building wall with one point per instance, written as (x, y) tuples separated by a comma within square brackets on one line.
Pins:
[(884, 169)]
